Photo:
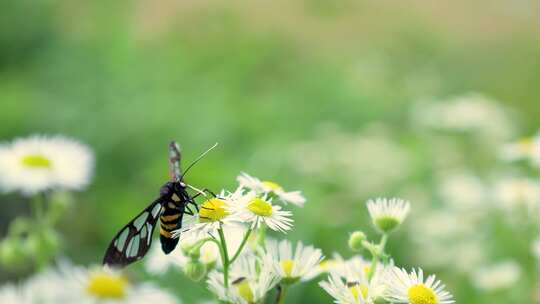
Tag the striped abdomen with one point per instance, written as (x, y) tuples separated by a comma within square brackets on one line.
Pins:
[(170, 220)]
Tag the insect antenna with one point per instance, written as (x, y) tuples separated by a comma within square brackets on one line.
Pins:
[(197, 160), (174, 161)]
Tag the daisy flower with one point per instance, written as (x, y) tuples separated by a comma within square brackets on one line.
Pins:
[(292, 267), (350, 282), (513, 193), (270, 188), (39, 163), (70, 284), (387, 214), (158, 263), (213, 214), (344, 292), (251, 279), (255, 210), (520, 149), (10, 294), (411, 288)]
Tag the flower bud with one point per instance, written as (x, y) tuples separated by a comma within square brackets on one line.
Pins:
[(11, 253), (195, 270), (355, 240)]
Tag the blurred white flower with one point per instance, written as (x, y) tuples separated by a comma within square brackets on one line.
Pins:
[(39, 163), (512, 193), (292, 267), (524, 148), (270, 188), (387, 214), (498, 276), (10, 294), (463, 191), (403, 287), (250, 281), (70, 284), (157, 262), (472, 112), (255, 211)]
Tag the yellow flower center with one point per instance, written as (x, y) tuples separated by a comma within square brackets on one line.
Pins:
[(107, 286), (420, 294), (272, 186), (526, 145), (260, 207), (244, 290), (366, 269), (36, 161), (212, 210), (359, 290), (287, 266)]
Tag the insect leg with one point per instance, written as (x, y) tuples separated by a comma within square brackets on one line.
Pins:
[(188, 210)]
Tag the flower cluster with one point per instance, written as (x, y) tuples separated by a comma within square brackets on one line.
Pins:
[(227, 245), (379, 281), (44, 169), (72, 284)]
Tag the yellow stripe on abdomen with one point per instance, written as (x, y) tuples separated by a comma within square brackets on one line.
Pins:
[(164, 232), (168, 218), (168, 227)]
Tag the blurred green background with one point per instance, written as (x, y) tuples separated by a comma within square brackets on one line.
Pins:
[(285, 87)]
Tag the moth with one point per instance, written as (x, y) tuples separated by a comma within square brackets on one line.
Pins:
[(133, 241)]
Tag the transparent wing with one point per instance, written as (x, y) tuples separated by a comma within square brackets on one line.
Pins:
[(132, 242)]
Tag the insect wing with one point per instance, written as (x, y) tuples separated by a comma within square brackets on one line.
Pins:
[(132, 242)]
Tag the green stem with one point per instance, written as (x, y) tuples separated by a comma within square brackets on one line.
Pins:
[(244, 241), (224, 257), (376, 256), (38, 210), (282, 292)]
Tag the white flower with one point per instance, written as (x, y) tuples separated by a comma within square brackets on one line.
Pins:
[(250, 281), (515, 192), (349, 282), (518, 150), (344, 292), (270, 188), (523, 149), (10, 294), (498, 276), (256, 211), (40, 163), (387, 214), (411, 288), (467, 113), (463, 191), (72, 284), (157, 262), (213, 214), (291, 267)]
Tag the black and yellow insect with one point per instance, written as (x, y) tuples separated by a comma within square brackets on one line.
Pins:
[(132, 242)]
